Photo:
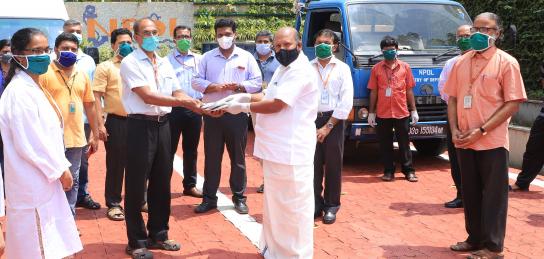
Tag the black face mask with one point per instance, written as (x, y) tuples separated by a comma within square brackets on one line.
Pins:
[(287, 56)]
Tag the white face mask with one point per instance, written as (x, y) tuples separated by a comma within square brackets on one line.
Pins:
[(263, 49), (225, 42)]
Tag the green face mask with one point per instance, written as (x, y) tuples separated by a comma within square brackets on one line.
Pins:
[(183, 45), (323, 51), (390, 54), (480, 41), (464, 44)]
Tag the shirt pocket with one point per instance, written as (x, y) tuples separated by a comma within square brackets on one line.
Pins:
[(167, 85), (334, 85), (490, 89), (239, 72)]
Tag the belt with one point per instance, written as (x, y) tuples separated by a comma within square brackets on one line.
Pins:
[(115, 116), (157, 118), (324, 114)]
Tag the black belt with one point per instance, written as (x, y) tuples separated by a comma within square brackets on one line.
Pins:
[(157, 118), (115, 116), (324, 114)]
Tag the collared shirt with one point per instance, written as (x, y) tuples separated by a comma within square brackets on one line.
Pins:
[(496, 79), (69, 94), (288, 137), (400, 80), (239, 68), (186, 67), (336, 87), (138, 71), (107, 80), (444, 76), (268, 67), (86, 64)]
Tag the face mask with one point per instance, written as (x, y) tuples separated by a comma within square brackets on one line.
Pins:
[(390, 54), (225, 42), (67, 58), (124, 49), (6, 58), (183, 45), (150, 43), (323, 51), (79, 37), (481, 42), (263, 49), (286, 57), (36, 64), (464, 44)]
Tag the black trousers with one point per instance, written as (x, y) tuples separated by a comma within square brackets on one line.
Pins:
[(116, 158), (184, 122), (385, 129), (484, 177), (229, 130), (328, 164), (454, 164), (148, 158), (533, 158)]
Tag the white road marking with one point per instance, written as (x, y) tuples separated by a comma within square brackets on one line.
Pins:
[(249, 227)]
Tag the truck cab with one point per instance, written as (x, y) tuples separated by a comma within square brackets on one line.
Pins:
[(425, 30)]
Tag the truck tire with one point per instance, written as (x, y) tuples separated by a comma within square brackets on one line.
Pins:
[(430, 147)]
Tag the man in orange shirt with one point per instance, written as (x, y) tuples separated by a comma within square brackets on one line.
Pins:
[(485, 89), (391, 82)]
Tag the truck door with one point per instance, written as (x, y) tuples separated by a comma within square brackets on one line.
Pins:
[(318, 19)]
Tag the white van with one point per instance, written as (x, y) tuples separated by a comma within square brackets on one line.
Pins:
[(45, 15)]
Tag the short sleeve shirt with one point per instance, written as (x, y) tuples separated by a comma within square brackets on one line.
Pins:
[(138, 71), (108, 81), (495, 78), (69, 94), (400, 79)]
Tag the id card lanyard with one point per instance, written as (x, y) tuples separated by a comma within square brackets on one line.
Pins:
[(324, 92), (72, 104), (388, 90), (467, 100)]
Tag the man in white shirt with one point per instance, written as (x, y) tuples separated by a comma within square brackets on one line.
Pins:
[(285, 141), (463, 42), (336, 86), (150, 89)]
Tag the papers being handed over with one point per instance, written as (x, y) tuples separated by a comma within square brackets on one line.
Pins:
[(227, 101)]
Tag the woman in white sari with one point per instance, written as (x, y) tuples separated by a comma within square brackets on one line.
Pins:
[(39, 221)]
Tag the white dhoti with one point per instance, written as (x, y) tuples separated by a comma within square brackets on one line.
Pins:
[(288, 221)]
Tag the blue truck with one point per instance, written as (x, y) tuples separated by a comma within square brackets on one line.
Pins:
[(425, 30)]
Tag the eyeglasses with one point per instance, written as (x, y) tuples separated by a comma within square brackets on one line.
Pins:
[(482, 29), (462, 37), (183, 37), (150, 33), (39, 51)]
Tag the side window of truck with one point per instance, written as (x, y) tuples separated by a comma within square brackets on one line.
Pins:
[(325, 19)]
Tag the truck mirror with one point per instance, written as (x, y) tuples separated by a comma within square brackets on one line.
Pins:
[(93, 52), (509, 38)]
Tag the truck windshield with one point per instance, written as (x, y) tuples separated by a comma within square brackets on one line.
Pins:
[(51, 27), (419, 28)]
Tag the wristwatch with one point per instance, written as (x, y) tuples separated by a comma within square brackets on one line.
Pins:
[(483, 131), (330, 125), (239, 89)]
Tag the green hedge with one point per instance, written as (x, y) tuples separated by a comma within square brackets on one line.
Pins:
[(528, 16)]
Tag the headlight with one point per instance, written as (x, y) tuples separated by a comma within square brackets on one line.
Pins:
[(362, 113)]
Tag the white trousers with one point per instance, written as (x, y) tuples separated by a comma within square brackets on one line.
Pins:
[(288, 213)]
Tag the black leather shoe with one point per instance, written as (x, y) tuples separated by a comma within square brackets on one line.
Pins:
[(318, 213), (388, 177), (88, 203), (240, 207), (454, 204), (329, 217), (193, 192), (205, 207)]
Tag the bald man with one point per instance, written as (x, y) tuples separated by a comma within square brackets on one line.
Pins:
[(285, 141), (463, 42)]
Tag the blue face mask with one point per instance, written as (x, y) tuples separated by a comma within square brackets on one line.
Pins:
[(36, 64), (67, 58), (150, 43), (124, 49)]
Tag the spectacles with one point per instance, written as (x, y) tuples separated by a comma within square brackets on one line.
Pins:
[(183, 37), (482, 29), (39, 51), (463, 37), (150, 33)]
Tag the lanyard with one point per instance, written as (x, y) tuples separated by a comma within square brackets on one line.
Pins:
[(390, 75), (182, 63), (473, 79), (53, 104), (326, 81), (69, 86)]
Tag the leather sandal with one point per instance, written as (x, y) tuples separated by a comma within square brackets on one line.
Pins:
[(485, 254), (463, 247), (139, 253), (167, 245), (411, 177), (115, 214)]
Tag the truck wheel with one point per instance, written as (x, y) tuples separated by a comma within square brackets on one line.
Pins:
[(430, 147)]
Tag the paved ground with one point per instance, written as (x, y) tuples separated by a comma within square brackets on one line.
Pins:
[(377, 219)]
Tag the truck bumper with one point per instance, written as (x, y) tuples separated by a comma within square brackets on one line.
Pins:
[(422, 130)]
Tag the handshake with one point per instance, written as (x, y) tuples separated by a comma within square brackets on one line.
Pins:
[(233, 104)]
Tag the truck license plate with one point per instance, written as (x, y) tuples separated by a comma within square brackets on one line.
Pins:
[(427, 130)]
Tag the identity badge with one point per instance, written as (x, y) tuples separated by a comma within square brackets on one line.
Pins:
[(324, 97), (388, 92), (467, 102), (72, 107)]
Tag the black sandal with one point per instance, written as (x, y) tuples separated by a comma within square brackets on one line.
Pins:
[(139, 253), (167, 245)]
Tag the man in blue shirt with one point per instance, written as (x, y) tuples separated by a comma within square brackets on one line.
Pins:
[(182, 120)]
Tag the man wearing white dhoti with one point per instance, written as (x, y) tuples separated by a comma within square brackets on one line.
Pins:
[(285, 141), (39, 221)]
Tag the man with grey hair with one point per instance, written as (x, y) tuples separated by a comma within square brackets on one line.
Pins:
[(485, 89), (291, 100)]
